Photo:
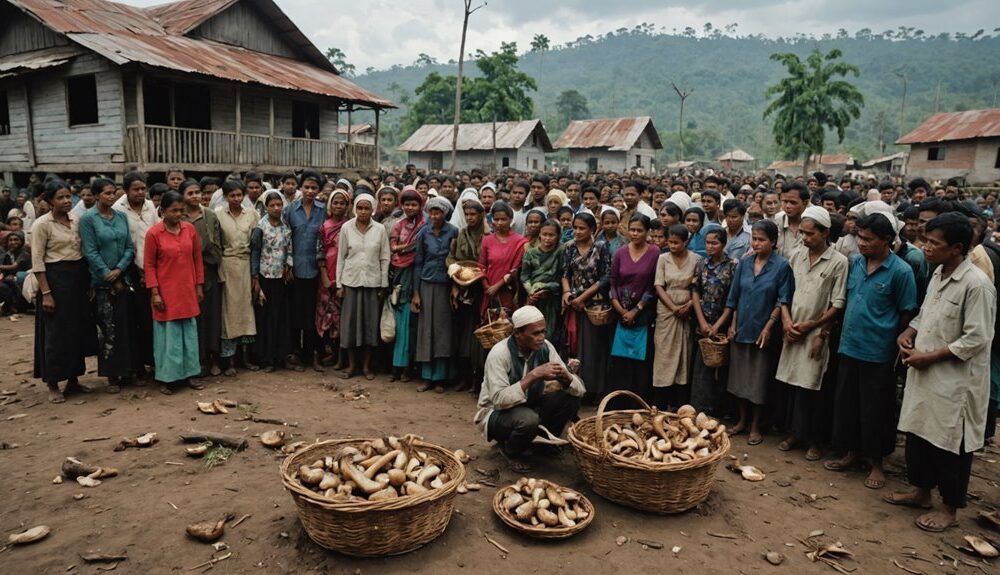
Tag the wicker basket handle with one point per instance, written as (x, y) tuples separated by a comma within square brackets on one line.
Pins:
[(599, 424)]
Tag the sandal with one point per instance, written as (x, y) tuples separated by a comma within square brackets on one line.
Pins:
[(56, 396), (423, 387), (755, 439), (165, 390), (195, 385), (347, 374), (113, 388), (837, 465), (517, 465), (814, 454), (230, 372), (215, 371), (893, 499), (924, 523), (369, 376), (874, 483), (439, 388)]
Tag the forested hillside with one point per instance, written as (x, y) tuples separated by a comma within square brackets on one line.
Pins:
[(630, 72)]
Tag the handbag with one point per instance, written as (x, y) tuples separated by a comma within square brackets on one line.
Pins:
[(630, 342), (387, 322)]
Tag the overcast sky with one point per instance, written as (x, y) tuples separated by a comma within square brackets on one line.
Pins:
[(381, 33)]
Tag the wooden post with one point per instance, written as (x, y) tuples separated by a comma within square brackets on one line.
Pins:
[(270, 129), (239, 127), (140, 114), (350, 134), (378, 155), (28, 124)]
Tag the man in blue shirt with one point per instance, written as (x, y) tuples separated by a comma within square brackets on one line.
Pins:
[(738, 237), (305, 216), (881, 300)]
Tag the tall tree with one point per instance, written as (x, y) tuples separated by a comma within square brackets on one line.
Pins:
[(571, 105), (337, 57), (501, 91), (811, 99), (540, 44), (683, 94), (468, 10)]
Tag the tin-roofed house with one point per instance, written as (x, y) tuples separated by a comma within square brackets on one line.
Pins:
[(357, 133), (520, 145), (610, 145), (956, 145), (736, 160), (206, 85)]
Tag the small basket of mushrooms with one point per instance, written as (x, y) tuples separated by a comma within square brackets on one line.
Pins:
[(542, 509), (647, 459), (373, 497)]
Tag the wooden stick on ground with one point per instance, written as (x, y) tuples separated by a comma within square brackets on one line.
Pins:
[(497, 545), (211, 562), (231, 441)]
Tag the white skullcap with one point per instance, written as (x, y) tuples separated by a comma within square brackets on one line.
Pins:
[(818, 215), (873, 195), (613, 210), (681, 200), (526, 315)]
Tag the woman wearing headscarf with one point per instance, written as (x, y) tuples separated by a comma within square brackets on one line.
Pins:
[(694, 221), (609, 235), (466, 300), (108, 248), (458, 215), (270, 267), (431, 296), (174, 275), (541, 272), (64, 330), (403, 244), (362, 272), (554, 200), (328, 308), (585, 282), (500, 258), (238, 323)]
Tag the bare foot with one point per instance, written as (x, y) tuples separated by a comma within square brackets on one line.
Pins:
[(55, 395)]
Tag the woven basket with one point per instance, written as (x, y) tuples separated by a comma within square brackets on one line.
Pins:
[(543, 532), (495, 330), (600, 314), (377, 528), (656, 487), (467, 264), (714, 350)]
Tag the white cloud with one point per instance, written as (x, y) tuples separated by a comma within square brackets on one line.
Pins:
[(381, 33)]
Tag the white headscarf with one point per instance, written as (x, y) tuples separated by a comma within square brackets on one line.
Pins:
[(681, 200), (605, 209), (458, 216), (364, 198), (819, 215), (526, 315)]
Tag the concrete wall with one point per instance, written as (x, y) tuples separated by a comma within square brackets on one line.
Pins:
[(606, 160), (975, 160), (520, 159)]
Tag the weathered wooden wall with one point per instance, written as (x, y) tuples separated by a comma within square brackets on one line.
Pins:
[(242, 25), (20, 33), (14, 146)]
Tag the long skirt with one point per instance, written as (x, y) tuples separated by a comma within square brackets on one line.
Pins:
[(66, 336), (434, 339), (751, 371), (634, 375), (864, 412), (273, 322), (672, 340), (468, 358), (406, 326), (210, 323), (142, 316), (328, 309), (116, 354), (359, 322), (175, 349), (708, 385), (593, 344), (237, 307)]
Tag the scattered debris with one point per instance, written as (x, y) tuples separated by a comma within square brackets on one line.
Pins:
[(749, 472), (208, 531), (17, 416), (238, 521), (650, 544), (816, 533), (217, 455), (87, 481), (30, 536), (211, 561), (621, 540), (146, 440), (462, 456), (92, 557), (217, 406), (198, 450), (57, 479), (990, 518), (722, 535), (357, 392), (293, 447), (907, 569), (774, 558), (273, 438), (497, 545), (90, 439), (676, 549), (236, 443), (220, 546), (981, 546)]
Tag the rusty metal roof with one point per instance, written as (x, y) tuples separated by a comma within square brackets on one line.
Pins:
[(814, 160), (948, 126), (736, 155), (510, 135), (126, 34), (616, 134), (875, 161), (356, 129), (186, 15), (38, 59)]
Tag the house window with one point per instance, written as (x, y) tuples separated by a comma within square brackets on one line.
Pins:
[(935, 153), (534, 164), (193, 106), (305, 120), (996, 164), (81, 98), (592, 165), (4, 114), (505, 162), (638, 161)]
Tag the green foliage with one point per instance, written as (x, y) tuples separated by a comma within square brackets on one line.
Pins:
[(216, 455), (571, 105), (811, 100), (499, 89), (337, 57)]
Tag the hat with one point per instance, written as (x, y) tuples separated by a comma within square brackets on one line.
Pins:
[(526, 315), (557, 194), (818, 215), (439, 203), (681, 200)]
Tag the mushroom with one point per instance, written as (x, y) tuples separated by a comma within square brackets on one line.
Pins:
[(293, 447), (512, 501), (525, 511), (383, 494), (397, 477), (553, 495), (563, 520), (637, 419), (208, 531), (273, 438), (365, 483), (411, 488), (686, 411), (401, 459), (393, 442), (197, 450), (461, 456), (379, 463), (310, 476), (30, 536), (380, 447), (981, 546), (548, 518), (329, 481), (427, 473)]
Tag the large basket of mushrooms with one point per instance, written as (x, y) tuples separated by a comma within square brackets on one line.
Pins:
[(650, 460), (373, 497)]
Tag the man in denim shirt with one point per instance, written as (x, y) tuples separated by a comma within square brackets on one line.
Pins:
[(305, 216)]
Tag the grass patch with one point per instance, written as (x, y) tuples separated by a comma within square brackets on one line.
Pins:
[(217, 455), (247, 409)]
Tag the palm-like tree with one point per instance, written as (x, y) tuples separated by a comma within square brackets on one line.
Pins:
[(813, 98)]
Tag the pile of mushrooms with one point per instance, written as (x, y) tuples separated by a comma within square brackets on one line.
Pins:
[(379, 470), (541, 503), (657, 437)]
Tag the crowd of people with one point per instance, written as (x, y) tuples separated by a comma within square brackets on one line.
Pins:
[(848, 309)]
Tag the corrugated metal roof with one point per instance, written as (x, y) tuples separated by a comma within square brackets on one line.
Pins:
[(38, 59), (616, 134), (125, 34), (948, 126), (184, 16), (884, 159), (356, 129), (814, 160), (735, 156), (510, 135), (783, 165)]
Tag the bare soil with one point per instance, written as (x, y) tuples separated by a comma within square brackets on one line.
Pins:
[(143, 512)]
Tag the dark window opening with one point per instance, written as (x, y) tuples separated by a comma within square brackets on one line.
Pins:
[(592, 165), (534, 164), (156, 102), (638, 160), (996, 164), (505, 162), (192, 106), (4, 114), (935, 153), (305, 120), (82, 99)]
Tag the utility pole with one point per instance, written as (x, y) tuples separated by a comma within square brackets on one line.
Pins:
[(902, 105), (881, 131), (458, 85), (683, 94), (937, 97)]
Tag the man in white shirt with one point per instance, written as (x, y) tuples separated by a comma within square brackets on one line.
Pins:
[(518, 193), (526, 387)]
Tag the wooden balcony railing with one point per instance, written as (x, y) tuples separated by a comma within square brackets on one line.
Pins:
[(210, 150)]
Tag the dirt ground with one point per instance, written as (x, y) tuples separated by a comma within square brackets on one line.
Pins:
[(143, 512)]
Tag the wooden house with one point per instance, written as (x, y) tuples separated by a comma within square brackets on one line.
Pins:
[(358, 133), (830, 164), (736, 160), (520, 145), (610, 145), (92, 86), (892, 165), (956, 145)]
